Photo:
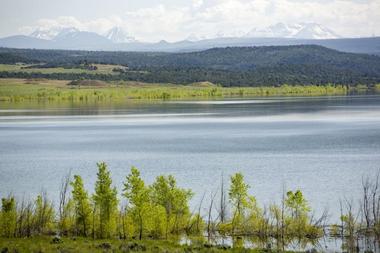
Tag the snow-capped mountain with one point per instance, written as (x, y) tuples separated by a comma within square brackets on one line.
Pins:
[(193, 38), (43, 34), (299, 31), (118, 35), (52, 33), (114, 35), (315, 31), (67, 32), (230, 34)]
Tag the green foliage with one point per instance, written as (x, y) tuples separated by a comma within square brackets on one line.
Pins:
[(67, 221), (161, 210), (238, 192), (298, 221), (174, 200), (83, 245), (297, 203), (241, 201), (231, 66), (82, 207), (43, 214), (196, 225), (138, 196), (15, 90), (8, 217), (105, 200)]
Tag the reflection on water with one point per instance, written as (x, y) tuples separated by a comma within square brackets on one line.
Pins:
[(325, 244)]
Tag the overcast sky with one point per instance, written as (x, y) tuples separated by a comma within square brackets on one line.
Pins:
[(152, 20)]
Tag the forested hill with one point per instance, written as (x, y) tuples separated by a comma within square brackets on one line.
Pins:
[(248, 66)]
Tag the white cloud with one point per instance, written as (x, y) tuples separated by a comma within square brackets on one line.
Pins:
[(158, 22), (197, 3), (208, 17)]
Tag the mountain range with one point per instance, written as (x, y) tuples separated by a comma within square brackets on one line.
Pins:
[(117, 39), (296, 31)]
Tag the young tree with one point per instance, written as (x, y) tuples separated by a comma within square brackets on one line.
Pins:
[(82, 206), (43, 214), (105, 199), (65, 206), (297, 203), (175, 201), (299, 209), (138, 196), (240, 199), (8, 217)]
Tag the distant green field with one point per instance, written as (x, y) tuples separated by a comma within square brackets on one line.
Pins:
[(57, 90), (102, 69)]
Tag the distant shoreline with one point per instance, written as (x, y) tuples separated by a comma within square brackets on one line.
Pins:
[(17, 90)]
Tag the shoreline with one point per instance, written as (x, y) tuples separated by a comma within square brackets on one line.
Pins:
[(19, 90)]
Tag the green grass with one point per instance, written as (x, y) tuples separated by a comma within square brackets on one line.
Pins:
[(82, 245), (102, 69), (14, 90)]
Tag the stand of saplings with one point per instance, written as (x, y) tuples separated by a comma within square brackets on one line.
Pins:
[(161, 210)]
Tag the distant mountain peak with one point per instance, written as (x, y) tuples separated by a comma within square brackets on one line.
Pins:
[(52, 33), (119, 35), (298, 30), (193, 38), (67, 32), (229, 34), (315, 31)]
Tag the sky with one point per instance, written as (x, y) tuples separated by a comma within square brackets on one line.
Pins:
[(173, 20)]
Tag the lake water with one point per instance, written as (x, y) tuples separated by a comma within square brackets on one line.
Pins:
[(323, 145)]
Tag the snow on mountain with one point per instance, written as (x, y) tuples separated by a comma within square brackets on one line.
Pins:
[(118, 35), (193, 38), (230, 34), (67, 32), (315, 31), (52, 33), (299, 31), (45, 34)]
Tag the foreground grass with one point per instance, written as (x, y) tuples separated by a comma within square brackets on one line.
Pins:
[(82, 245), (14, 90)]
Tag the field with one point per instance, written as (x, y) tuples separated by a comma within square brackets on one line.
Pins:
[(14, 90), (101, 69)]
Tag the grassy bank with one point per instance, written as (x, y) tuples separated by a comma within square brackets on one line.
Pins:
[(14, 90), (68, 245), (82, 245)]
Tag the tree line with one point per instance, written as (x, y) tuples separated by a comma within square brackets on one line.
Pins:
[(161, 210), (240, 66)]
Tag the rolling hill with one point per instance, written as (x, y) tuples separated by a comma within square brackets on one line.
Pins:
[(231, 66)]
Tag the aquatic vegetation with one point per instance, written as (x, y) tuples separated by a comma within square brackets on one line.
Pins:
[(16, 90), (158, 215), (157, 211)]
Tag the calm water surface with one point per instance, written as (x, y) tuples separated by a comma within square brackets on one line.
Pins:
[(323, 146)]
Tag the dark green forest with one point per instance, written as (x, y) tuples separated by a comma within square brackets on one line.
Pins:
[(231, 66)]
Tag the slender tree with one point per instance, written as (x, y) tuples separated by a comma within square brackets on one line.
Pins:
[(239, 198), (138, 196), (105, 198), (175, 201), (8, 217), (82, 206)]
